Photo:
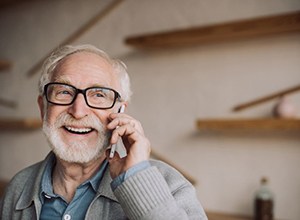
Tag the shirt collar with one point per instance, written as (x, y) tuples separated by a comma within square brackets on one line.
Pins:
[(46, 183), (95, 180)]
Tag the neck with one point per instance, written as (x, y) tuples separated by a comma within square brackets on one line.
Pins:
[(68, 176)]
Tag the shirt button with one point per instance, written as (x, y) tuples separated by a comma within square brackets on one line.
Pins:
[(47, 196), (67, 217)]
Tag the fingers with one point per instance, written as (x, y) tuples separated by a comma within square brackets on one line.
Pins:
[(131, 131), (124, 130), (120, 119), (124, 125), (136, 144)]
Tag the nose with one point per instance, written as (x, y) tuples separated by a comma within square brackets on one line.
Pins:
[(79, 108)]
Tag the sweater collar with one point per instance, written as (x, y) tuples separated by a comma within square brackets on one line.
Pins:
[(30, 193), (32, 187), (104, 188)]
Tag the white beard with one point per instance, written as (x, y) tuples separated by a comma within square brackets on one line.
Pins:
[(77, 151)]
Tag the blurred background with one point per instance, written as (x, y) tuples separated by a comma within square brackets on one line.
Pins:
[(186, 85)]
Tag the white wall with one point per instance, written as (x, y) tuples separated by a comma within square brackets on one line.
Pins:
[(172, 89)]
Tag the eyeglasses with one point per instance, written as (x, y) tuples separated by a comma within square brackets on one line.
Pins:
[(95, 97)]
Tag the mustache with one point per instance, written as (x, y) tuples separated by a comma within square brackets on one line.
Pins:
[(91, 121)]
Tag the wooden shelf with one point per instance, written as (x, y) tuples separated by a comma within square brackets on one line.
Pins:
[(225, 216), (249, 124), (4, 65), (221, 32), (17, 124)]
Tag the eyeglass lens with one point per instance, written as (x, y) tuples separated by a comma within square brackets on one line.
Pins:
[(63, 94)]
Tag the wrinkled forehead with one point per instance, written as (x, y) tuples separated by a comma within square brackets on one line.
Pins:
[(85, 69)]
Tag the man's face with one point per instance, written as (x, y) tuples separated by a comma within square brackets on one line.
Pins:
[(77, 133)]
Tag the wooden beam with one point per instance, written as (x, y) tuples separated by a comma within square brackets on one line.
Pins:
[(266, 98), (220, 32), (155, 155), (8, 103), (267, 124), (82, 30), (17, 124)]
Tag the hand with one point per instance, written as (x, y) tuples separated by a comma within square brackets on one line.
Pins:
[(134, 140)]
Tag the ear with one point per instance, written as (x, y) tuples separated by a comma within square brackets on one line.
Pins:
[(41, 106)]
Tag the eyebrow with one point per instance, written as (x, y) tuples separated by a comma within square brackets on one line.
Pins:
[(59, 78), (62, 80), (66, 81)]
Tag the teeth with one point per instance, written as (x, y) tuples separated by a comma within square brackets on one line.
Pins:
[(79, 130)]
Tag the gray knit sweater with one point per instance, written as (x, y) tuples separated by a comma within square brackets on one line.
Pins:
[(159, 192)]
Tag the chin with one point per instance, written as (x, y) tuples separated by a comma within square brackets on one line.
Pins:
[(73, 149), (78, 151), (77, 155)]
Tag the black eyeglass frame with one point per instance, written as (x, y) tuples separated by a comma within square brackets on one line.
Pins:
[(83, 92)]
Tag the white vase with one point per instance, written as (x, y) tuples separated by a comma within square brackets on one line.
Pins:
[(284, 109)]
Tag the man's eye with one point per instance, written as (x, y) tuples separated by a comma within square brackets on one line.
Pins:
[(99, 94), (63, 92)]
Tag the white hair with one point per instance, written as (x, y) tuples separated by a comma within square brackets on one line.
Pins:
[(58, 55)]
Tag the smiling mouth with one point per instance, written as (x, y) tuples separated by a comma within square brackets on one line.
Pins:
[(78, 130)]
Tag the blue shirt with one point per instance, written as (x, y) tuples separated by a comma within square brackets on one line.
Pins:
[(55, 206)]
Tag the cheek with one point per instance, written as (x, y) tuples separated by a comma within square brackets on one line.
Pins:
[(53, 112), (103, 116)]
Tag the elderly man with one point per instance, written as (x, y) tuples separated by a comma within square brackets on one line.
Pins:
[(81, 93)]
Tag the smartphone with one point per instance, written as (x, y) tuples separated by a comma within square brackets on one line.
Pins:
[(114, 147)]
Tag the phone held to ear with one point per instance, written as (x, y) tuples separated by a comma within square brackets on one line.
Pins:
[(118, 147)]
